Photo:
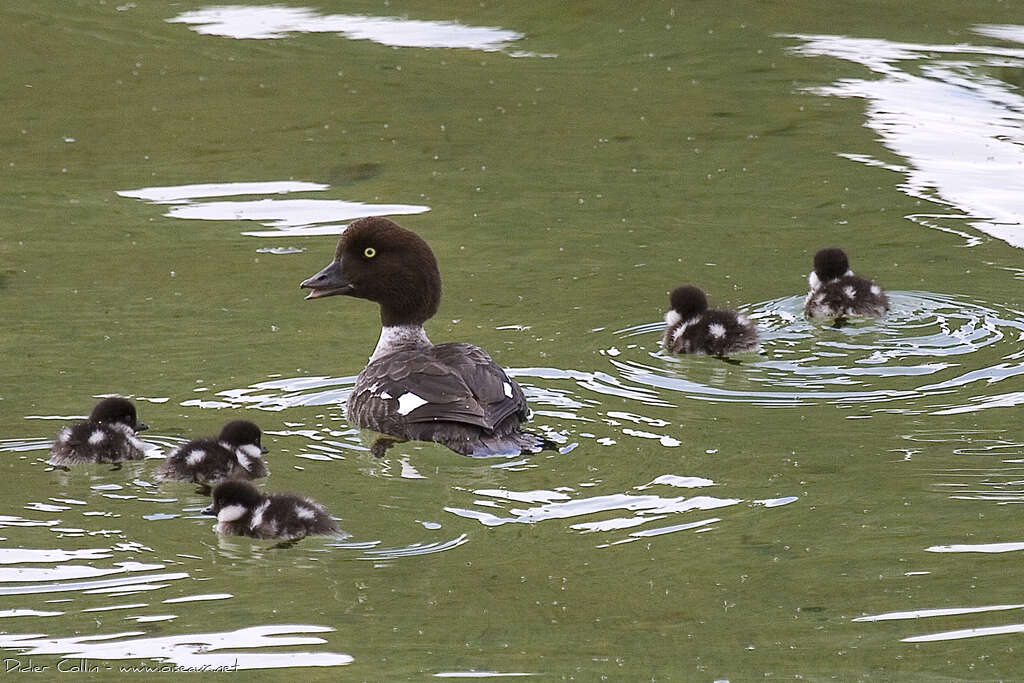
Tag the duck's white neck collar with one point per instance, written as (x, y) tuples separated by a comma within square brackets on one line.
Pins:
[(396, 337)]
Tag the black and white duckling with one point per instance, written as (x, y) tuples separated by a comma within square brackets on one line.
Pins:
[(234, 454), (836, 292), (411, 389), (241, 510), (109, 435), (693, 328)]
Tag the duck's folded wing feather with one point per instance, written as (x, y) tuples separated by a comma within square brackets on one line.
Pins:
[(449, 382)]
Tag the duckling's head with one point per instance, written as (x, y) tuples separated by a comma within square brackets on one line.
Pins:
[(688, 301), (233, 499), (830, 264), (116, 410), (241, 433)]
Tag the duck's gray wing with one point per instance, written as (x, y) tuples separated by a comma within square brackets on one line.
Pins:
[(457, 383)]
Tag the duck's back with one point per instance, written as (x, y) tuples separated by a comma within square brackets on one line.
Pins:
[(454, 394), (206, 461), (716, 333), (95, 442), (847, 295)]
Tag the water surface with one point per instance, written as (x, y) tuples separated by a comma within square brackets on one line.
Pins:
[(839, 505)]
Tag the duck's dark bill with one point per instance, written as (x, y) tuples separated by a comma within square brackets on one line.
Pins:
[(328, 282), (320, 293)]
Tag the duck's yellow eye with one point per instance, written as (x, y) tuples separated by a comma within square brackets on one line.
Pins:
[(369, 252)]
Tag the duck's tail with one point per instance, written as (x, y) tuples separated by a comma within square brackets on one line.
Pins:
[(507, 445)]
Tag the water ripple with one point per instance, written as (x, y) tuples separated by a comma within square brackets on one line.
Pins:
[(928, 346), (565, 504)]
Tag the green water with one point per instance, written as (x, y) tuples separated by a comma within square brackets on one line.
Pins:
[(713, 521)]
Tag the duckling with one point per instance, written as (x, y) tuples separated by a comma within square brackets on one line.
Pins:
[(693, 328), (411, 389), (234, 454), (835, 292), (241, 510), (109, 435)]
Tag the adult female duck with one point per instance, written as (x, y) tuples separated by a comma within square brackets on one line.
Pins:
[(411, 389)]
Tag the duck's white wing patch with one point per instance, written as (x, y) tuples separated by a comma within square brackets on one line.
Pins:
[(409, 402), (849, 292), (64, 434), (97, 437), (876, 290), (257, 515), (231, 513), (681, 330), (508, 389), (195, 457), (303, 512), (716, 330), (247, 455)]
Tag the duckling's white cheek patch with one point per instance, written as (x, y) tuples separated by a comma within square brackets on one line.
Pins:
[(195, 457), (231, 513), (97, 437), (409, 402), (508, 389), (876, 290), (672, 317)]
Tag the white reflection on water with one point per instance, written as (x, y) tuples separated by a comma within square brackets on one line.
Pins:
[(123, 585), (481, 674), (70, 571), (646, 508), (179, 194), (949, 612), (247, 21), (941, 612), (19, 555), (939, 107), (286, 217), (960, 634), (189, 650), (977, 548)]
